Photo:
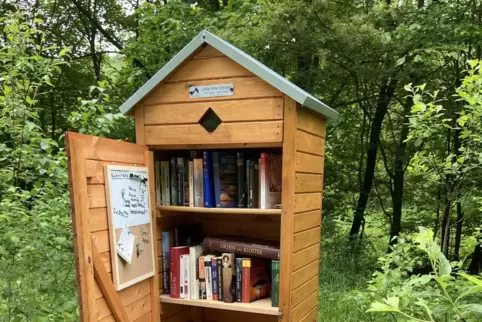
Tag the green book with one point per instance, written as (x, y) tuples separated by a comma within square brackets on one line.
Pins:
[(274, 283)]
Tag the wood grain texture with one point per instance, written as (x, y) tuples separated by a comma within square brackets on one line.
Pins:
[(312, 316), (98, 219), (309, 163), (244, 88), (139, 308), (139, 124), (308, 182), (307, 220), (96, 196), (107, 287), (311, 122), (309, 143), (304, 307), (304, 274), (304, 291), (214, 68), (213, 315), (182, 316), (208, 52), (306, 256), (101, 240), (81, 228), (307, 201), (233, 111), (306, 238), (225, 133), (288, 205)]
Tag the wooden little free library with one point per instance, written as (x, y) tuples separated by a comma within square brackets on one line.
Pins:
[(210, 96)]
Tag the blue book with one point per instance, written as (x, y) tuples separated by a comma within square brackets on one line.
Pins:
[(225, 179), (208, 187), (214, 273), (166, 246)]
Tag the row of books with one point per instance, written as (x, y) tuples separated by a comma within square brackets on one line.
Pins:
[(220, 179), (205, 272)]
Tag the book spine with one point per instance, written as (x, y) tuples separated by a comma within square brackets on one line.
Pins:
[(275, 266), (191, 184), (209, 284), (263, 171), (241, 248), (241, 182), (202, 278), (256, 183), (173, 182), (180, 181), (175, 270), (208, 186), (165, 189), (166, 246), (246, 280), (217, 179), (187, 286), (229, 277), (193, 272), (220, 278), (239, 279), (186, 182), (198, 182), (158, 180), (214, 273), (249, 182), (181, 277)]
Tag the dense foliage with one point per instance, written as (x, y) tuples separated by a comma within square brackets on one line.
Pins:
[(405, 75)]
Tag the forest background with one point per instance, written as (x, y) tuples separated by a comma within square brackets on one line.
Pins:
[(404, 76)]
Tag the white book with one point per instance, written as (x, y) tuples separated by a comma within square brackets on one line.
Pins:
[(191, 184), (181, 276), (187, 288), (263, 181), (194, 253), (198, 182), (157, 180), (165, 188), (209, 277)]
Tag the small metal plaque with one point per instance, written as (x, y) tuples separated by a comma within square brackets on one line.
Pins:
[(215, 90)]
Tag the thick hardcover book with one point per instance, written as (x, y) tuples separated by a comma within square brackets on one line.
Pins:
[(175, 269), (225, 179), (194, 253), (208, 184), (165, 188), (255, 282), (275, 283), (229, 277), (239, 279), (241, 189), (173, 182), (215, 279), (198, 182), (191, 183), (258, 250), (202, 278), (166, 246), (220, 278), (209, 276)]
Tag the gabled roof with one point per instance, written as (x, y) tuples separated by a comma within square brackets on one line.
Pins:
[(239, 57)]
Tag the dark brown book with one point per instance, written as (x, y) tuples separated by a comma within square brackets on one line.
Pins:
[(242, 248)]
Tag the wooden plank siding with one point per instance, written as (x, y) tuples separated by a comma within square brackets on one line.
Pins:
[(92, 154), (309, 138)]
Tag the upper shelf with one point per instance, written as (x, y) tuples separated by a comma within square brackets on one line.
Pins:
[(241, 211)]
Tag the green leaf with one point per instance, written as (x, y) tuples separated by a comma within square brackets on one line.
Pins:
[(401, 61), (380, 307), (44, 145), (474, 308), (64, 51), (471, 278)]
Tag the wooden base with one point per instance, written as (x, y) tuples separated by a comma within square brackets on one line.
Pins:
[(260, 307), (241, 211)]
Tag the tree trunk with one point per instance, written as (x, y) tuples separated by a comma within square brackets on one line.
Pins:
[(460, 213), (384, 98), (475, 266)]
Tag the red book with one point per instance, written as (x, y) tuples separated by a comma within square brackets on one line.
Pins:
[(255, 280), (175, 266)]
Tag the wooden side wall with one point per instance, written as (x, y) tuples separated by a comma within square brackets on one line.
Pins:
[(253, 116), (303, 163), (87, 157)]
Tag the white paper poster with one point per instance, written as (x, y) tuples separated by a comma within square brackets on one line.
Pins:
[(125, 244)]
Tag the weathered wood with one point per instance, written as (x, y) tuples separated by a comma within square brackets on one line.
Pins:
[(214, 68), (107, 288), (308, 182), (306, 256), (139, 124), (311, 123), (306, 238), (307, 201), (80, 226), (304, 307), (309, 163), (307, 220), (304, 291), (304, 274), (244, 87), (288, 205), (309, 143), (226, 133), (235, 111)]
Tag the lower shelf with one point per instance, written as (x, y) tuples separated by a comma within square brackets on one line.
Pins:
[(260, 307)]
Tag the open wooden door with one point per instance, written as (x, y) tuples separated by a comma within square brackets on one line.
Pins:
[(99, 301)]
